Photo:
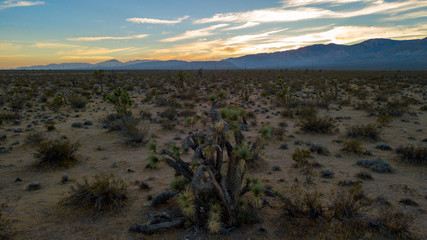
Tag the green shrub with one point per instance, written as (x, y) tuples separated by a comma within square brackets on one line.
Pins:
[(232, 115), (121, 100), (56, 153), (104, 193), (179, 184)]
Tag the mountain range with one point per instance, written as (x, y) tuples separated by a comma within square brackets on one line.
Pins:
[(373, 54)]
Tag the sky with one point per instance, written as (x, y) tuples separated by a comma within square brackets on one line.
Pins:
[(92, 31)]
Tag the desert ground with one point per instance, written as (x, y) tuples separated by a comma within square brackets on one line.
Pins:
[(325, 154)]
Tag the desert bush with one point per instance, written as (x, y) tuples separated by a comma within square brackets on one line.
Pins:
[(287, 113), (167, 124), (423, 107), (56, 103), (34, 138), (50, 126), (104, 193), (303, 204), (395, 108), (56, 153), (369, 131), (384, 120), (121, 101), (233, 114), (9, 116), (394, 222), (305, 111), (301, 155), (413, 154), (347, 204), (77, 101), (377, 165), (364, 175), (383, 146), (352, 146), (319, 149), (169, 113), (317, 124)]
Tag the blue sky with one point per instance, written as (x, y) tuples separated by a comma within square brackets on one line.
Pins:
[(56, 31)]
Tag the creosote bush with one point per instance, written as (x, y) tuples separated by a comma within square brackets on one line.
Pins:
[(317, 124), (56, 153), (104, 193)]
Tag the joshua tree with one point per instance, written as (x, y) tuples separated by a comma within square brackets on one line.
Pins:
[(99, 76), (121, 100), (215, 192)]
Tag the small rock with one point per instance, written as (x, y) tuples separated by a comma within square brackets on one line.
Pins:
[(18, 180), (77, 125), (33, 186), (408, 202), (64, 179)]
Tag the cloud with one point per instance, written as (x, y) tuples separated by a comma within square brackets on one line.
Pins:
[(268, 15), (53, 45), (314, 2), (246, 25), (405, 16), (16, 3), (304, 12), (87, 57), (92, 51), (6, 46), (281, 40), (81, 39), (195, 33), (156, 21)]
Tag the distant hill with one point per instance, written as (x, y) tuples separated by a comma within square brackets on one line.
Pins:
[(374, 54), (369, 55)]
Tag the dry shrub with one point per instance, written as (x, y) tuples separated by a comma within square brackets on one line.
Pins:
[(34, 138), (348, 204), (317, 124), (56, 153), (104, 193), (394, 222), (413, 154), (352, 146), (77, 101), (369, 131)]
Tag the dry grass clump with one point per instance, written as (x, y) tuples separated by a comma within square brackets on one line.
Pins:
[(104, 193), (413, 154), (317, 124), (56, 153), (369, 131)]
